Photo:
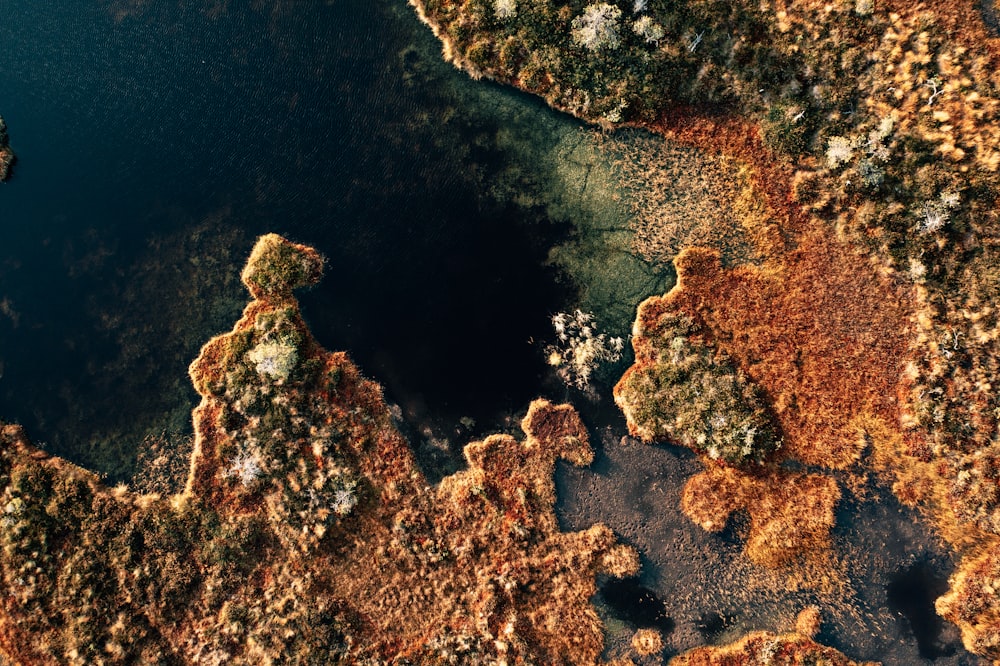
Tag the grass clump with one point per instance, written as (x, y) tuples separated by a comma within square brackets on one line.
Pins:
[(692, 396)]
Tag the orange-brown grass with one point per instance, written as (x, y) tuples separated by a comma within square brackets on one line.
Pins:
[(817, 329), (734, 138), (971, 601), (791, 514), (808, 621), (502, 581), (761, 648), (962, 18), (815, 325), (825, 334), (680, 196), (481, 559), (921, 484)]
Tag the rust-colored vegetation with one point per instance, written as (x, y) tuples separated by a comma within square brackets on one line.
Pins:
[(819, 331), (823, 344), (970, 603), (791, 514)]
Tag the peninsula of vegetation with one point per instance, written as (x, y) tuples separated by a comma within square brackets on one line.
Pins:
[(862, 336), (305, 534)]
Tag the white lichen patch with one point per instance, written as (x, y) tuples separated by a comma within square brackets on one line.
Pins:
[(505, 9), (598, 28), (15, 507), (11, 512), (839, 151), (246, 468), (343, 500), (275, 360)]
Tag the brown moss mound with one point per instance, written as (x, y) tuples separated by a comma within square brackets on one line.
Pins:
[(276, 267), (681, 390)]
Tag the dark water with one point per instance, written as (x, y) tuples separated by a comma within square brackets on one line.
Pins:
[(912, 592), (637, 604), (156, 143), (988, 10)]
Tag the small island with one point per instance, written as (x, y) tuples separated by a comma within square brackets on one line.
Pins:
[(6, 154)]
